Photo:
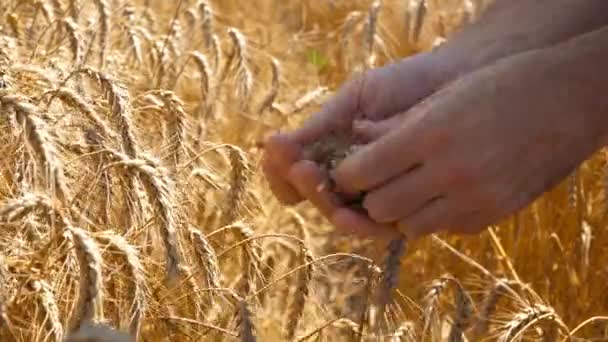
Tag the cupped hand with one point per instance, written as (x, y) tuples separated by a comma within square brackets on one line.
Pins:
[(474, 152), (364, 107)]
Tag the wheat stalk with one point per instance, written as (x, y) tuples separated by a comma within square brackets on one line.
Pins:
[(247, 329)]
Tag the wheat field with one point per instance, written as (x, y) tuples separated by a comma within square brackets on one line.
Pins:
[(132, 207)]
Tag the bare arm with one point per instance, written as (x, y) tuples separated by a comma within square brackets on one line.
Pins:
[(512, 26)]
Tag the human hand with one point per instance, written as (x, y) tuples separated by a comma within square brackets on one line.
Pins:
[(475, 151), (363, 107)]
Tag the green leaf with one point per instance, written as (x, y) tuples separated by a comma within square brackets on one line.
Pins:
[(317, 59)]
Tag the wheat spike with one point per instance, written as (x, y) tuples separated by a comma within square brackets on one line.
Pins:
[(74, 100), (524, 319), (274, 88), (464, 313), (302, 290), (240, 175), (206, 257), (159, 188), (135, 273), (103, 8), (118, 99), (49, 304), (396, 249), (38, 138), (89, 305), (72, 30)]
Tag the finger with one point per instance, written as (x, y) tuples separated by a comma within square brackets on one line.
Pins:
[(402, 149), (402, 196), (351, 222), (376, 94), (367, 130), (285, 193), (432, 218), (280, 154), (398, 86), (377, 162), (336, 114), (308, 180)]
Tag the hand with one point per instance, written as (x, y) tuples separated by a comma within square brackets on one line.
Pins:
[(479, 149), (373, 97)]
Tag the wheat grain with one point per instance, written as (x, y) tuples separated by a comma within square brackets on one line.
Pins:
[(72, 30)]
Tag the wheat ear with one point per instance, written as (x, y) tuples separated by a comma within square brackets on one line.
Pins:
[(38, 138), (49, 304), (135, 272), (206, 257), (302, 289), (390, 280), (526, 318), (104, 29), (89, 305), (159, 189)]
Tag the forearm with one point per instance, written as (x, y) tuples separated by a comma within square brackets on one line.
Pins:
[(581, 79), (512, 26)]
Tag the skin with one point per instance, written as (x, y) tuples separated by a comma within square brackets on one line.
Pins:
[(463, 136)]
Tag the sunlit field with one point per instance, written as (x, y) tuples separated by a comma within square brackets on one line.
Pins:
[(133, 207)]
